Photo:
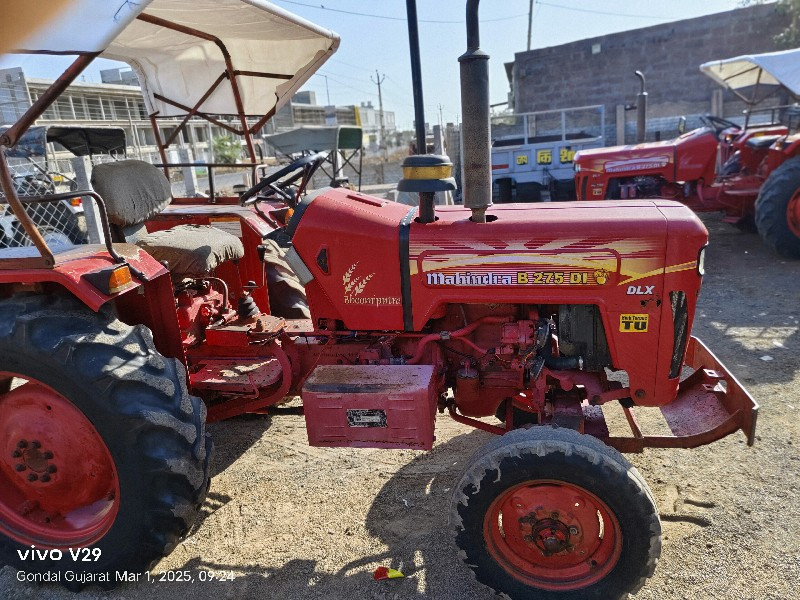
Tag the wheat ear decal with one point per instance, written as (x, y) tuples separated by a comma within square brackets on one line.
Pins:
[(362, 284), (346, 278)]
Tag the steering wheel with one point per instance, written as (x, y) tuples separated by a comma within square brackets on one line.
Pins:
[(279, 183), (718, 124)]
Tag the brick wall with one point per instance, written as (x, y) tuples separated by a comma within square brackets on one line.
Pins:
[(669, 55)]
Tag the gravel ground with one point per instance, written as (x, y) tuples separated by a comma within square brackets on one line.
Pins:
[(285, 520)]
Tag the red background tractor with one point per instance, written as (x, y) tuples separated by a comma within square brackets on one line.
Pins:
[(750, 172)]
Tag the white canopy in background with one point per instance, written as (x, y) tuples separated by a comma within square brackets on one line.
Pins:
[(260, 37), (774, 68)]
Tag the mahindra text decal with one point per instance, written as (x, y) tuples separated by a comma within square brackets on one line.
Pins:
[(505, 278), (636, 164), (355, 285)]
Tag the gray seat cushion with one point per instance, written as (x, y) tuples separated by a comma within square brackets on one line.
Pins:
[(132, 190), (192, 249)]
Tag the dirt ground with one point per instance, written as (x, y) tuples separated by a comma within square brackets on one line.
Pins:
[(284, 520)]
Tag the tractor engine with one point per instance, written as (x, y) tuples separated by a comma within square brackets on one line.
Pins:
[(198, 306)]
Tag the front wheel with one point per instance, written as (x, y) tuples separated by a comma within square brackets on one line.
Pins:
[(101, 447), (778, 209), (551, 514)]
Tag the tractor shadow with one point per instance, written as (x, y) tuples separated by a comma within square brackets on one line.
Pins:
[(409, 516)]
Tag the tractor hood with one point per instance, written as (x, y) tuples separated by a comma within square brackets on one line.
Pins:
[(684, 152), (182, 50), (371, 265)]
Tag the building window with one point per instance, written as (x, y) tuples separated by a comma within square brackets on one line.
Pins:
[(120, 110), (79, 106), (94, 109), (108, 109)]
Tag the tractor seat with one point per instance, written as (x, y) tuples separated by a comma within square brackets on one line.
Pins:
[(761, 141), (192, 250), (133, 192)]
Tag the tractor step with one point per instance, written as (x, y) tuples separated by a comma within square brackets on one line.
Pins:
[(240, 377)]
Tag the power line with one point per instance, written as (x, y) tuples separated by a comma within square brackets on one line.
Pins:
[(600, 12), (350, 64), (346, 85), (388, 18)]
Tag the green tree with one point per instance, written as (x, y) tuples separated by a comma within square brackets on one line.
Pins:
[(790, 36), (227, 149)]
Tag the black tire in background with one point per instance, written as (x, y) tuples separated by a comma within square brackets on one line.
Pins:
[(551, 457), (138, 403), (287, 296), (773, 200)]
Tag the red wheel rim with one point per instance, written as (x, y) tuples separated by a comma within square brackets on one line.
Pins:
[(58, 484), (553, 535), (793, 213)]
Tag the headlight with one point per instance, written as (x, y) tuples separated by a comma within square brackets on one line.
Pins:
[(701, 261)]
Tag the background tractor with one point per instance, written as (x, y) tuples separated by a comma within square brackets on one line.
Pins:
[(527, 321), (749, 172)]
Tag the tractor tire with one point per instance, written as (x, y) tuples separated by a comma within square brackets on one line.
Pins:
[(287, 296), (779, 201), (551, 514), (101, 446)]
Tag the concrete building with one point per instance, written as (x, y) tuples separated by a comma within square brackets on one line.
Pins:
[(601, 70), (117, 101), (371, 123)]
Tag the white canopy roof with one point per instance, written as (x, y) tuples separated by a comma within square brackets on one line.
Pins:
[(272, 51), (773, 68)]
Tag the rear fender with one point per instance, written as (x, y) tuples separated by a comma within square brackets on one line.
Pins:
[(147, 300)]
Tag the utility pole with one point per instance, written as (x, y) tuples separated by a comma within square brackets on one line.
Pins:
[(328, 92), (530, 22), (378, 81)]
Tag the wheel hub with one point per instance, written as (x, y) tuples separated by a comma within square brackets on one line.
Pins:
[(553, 535), (549, 535), (33, 459)]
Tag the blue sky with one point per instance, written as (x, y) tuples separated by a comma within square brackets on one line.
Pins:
[(375, 36)]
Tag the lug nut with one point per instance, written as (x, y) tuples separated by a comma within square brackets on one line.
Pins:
[(33, 477), (52, 469), (36, 445), (44, 478), (16, 454), (48, 455), (20, 467), (573, 531), (22, 444)]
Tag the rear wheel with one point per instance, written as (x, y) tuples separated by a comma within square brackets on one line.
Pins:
[(553, 514), (101, 446), (778, 209)]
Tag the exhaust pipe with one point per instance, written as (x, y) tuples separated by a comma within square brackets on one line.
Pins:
[(475, 136), (641, 109)]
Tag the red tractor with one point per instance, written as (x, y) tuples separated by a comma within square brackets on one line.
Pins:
[(542, 317), (750, 172)]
